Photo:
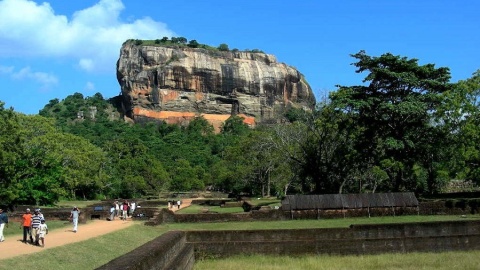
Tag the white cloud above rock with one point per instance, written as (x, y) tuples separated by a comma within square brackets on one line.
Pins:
[(46, 80), (91, 37)]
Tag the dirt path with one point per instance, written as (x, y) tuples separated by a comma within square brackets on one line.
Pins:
[(12, 246), (185, 203)]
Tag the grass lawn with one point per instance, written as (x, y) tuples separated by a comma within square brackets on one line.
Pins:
[(88, 254), (266, 201), (309, 223), (196, 209), (95, 252), (80, 204), (444, 260)]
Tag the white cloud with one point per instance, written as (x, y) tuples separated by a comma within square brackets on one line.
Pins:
[(89, 87), (6, 70), (43, 78), (92, 36), (86, 64)]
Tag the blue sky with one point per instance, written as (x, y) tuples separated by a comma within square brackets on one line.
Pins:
[(54, 48)]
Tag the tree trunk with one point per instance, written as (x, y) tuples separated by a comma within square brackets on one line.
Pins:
[(285, 189), (268, 184)]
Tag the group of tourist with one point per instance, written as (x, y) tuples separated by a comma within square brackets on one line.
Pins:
[(34, 225), (123, 210), (172, 204)]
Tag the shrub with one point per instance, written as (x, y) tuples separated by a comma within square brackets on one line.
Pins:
[(193, 43), (223, 47)]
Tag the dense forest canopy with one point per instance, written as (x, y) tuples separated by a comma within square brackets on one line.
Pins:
[(406, 128)]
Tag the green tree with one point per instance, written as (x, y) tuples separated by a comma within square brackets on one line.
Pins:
[(184, 177), (200, 127), (234, 126), (223, 47), (394, 113), (10, 153), (265, 163), (83, 163), (461, 116), (40, 171), (237, 172), (182, 40), (319, 148), (193, 44)]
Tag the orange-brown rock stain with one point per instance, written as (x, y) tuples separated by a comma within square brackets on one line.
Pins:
[(168, 95), (199, 95), (171, 117)]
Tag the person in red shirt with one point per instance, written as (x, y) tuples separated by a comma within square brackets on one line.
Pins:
[(26, 222), (125, 207)]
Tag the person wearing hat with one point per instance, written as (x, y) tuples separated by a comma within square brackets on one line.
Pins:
[(36, 221), (26, 223), (40, 213), (3, 223)]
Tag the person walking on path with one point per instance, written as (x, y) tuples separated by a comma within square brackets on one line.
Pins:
[(117, 209), (26, 223), (125, 210), (36, 221), (74, 217), (132, 208), (42, 231), (112, 212), (3, 224)]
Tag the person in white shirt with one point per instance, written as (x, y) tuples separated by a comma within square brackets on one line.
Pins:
[(3, 224), (112, 212), (74, 216), (117, 209), (42, 231), (132, 208)]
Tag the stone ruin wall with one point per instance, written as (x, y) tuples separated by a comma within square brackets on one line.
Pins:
[(179, 249)]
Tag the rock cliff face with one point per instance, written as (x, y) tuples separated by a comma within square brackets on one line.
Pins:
[(176, 84)]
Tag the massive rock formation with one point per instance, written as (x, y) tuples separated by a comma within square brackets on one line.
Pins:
[(176, 84)]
